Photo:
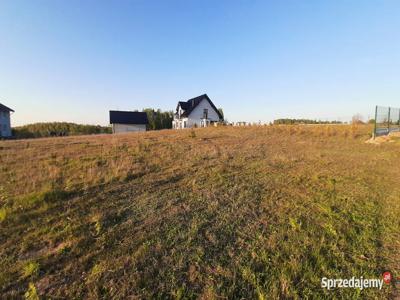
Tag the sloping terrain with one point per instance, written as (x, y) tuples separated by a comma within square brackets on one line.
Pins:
[(260, 212)]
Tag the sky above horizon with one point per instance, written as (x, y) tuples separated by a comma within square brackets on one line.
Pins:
[(258, 60)]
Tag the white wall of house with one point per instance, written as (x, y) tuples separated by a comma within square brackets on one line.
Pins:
[(180, 123), (121, 128), (196, 116), (5, 124), (197, 113)]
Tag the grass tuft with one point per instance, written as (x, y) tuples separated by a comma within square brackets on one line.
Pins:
[(31, 293), (31, 269), (3, 214)]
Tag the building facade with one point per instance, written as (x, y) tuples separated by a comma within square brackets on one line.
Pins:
[(5, 121), (119, 128), (196, 112), (128, 121)]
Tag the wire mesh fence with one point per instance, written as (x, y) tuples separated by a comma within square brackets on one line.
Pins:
[(387, 119)]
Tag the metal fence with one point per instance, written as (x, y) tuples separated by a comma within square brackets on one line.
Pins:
[(387, 119)]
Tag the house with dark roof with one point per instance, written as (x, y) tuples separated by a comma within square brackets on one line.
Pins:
[(196, 112), (5, 122), (128, 121)]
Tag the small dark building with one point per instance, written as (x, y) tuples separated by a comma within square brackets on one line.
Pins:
[(5, 122), (128, 121)]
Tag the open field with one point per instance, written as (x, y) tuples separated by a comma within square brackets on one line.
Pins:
[(257, 212)]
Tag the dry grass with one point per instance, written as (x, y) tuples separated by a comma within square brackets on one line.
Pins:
[(218, 212)]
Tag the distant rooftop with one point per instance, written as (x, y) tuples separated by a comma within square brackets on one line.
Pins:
[(189, 105), (128, 117), (5, 108)]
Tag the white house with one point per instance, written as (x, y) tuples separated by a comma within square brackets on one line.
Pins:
[(128, 121), (196, 112), (5, 123)]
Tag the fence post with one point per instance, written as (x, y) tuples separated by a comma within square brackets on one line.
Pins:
[(398, 120), (376, 114), (389, 120)]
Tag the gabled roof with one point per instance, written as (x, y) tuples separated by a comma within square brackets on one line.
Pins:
[(184, 105), (128, 117), (191, 104), (5, 108)]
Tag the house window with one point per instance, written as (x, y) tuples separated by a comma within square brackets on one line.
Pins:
[(184, 124), (205, 113)]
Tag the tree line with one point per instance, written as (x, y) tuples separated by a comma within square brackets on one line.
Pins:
[(157, 120), (49, 129)]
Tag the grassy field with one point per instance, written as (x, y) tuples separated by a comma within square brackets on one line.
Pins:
[(216, 213)]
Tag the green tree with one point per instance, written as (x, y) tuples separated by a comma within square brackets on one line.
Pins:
[(57, 129), (159, 119)]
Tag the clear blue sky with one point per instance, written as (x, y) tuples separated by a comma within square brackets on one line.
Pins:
[(258, 60)]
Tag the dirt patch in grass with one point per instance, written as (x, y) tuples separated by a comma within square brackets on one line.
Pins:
[(390, 138)]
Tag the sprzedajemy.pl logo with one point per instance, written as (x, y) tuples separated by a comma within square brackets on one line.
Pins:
[(356, 283)]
